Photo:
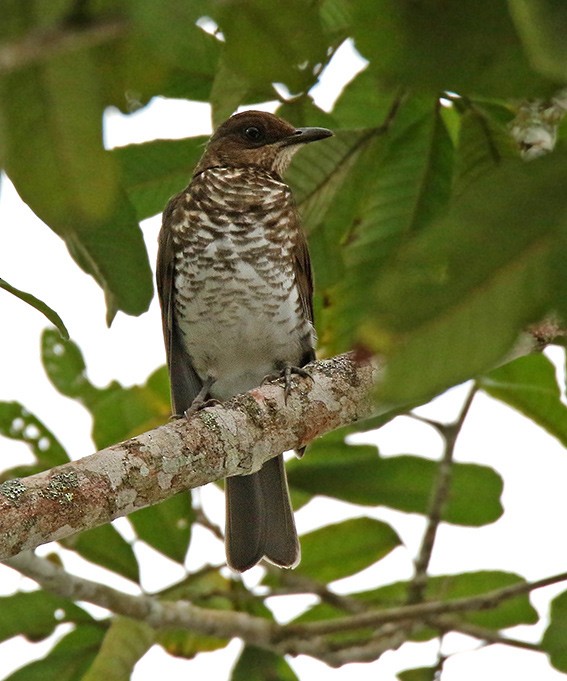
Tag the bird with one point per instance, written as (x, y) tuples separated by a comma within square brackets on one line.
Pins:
[(236, 292)]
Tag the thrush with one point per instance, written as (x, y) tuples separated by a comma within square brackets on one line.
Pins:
[(235, 287)]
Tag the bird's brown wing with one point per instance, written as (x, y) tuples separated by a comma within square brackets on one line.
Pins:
[(304, 280), (185, 384)]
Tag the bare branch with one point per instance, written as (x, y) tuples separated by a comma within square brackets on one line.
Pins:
[(149, 609), (392, 625), (39, 45), (488, 636), (235, 438), (422, 611), (450, 434)]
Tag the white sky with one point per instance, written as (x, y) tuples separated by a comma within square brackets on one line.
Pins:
[(534, 466)]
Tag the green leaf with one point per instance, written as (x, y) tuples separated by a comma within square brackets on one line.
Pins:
[(118, 412), (68, 660), (187, 644), (418, 674), (17, 423), (54, 155), (340, 550), (446, 588), (169, 29), (402, 183), (355, 473), (365, 102), (36, 614), (316, 175), (65, 367), (335, 17), (53, 118), (529, 384), (318, 170), (154, 171), (483, 143), (122, 413), (458, 295), (30, 299), (294, 62), (209, 589), (542, 25), (106, 547), (469, 47), (256, 664), (553, 641), (302, 111), (409, 187), (114, 253), (124, 644), (507, 613), (166, 526), (228, 91)]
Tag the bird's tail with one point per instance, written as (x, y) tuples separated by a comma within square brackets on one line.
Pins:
[(259, 519)]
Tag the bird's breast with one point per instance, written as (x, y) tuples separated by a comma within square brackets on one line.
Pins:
[(236, 297)]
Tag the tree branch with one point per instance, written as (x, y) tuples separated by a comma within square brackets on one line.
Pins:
[(39, 45), (450, 433), (391, 626), (235, 438), (422, 611)]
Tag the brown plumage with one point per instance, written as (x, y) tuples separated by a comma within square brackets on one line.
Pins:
[(235, 287)]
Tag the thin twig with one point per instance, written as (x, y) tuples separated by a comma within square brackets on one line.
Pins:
[(450, 434), (422, 611), (299, 584), (482, 633), (203, 519)]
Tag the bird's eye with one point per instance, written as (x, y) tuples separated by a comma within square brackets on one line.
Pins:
[(253, 133)]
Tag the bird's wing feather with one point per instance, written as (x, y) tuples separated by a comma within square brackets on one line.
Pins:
[(304, 281), (185, 384), (303, 275)]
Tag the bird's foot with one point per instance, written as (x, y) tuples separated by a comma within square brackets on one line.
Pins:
[(201, 404), (286, 373), (202, 399)]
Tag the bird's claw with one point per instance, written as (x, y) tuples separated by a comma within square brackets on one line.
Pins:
[(286, 373), (197, 405)]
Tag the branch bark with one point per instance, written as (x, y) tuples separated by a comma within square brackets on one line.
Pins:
[(39, 45), (390, 627), (234, 438)]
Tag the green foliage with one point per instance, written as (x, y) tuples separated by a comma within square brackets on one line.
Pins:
[(105, 546), (529, 384), (255, 664), (18, 424), (340, 550), (446, 588), (470, 47), (118, 413), (167, 526), (418, 674), (357, 474), (36, 614), (69, 660), (155, 171), (125, 642), (553, 642), (30, 299), (432, 242)]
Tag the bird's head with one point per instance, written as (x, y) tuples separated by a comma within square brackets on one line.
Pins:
[(257, 138)]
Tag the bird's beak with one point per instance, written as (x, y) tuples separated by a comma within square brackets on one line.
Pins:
[(304, 135)]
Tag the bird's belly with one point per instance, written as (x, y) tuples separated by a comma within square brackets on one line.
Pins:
[(239, 328)]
